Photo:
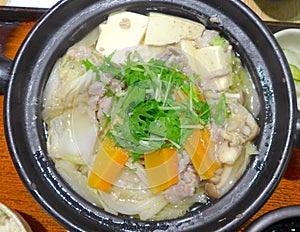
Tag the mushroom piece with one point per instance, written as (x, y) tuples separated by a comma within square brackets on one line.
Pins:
[(228, 154), (224, 184), (211, 185), (215, 180), (240, 127), (251, 128), (212, 190), (234, 138), (218, 189), (226, 177)]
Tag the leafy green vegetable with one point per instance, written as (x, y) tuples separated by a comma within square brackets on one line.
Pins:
[(137, 71), (219, 41), (133, 169), (152, 118), (89, 66), (148, 119), (107, 67), (126, 104), (107, 120), (295, 72), (220, 111), (148, 128), (108, 91)]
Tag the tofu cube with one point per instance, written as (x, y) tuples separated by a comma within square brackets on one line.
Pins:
[(122, 30), (208, 62), (165, 29)]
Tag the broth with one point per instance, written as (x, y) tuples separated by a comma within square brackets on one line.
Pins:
[(147, 115)]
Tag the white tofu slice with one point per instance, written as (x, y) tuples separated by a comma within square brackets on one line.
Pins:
[(122, 30), (208, 62), (190, 50), (212, 64), (214, 59), (165, 29)]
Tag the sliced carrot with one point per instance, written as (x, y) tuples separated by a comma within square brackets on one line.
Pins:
[(108, 165), (200, 148), (201, 151), (161, 169)]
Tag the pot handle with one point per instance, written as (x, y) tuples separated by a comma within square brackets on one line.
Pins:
[(5, 65)]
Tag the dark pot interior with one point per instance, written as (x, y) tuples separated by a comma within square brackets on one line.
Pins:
[(69, 21)]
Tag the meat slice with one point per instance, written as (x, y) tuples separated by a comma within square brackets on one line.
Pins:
[(187, 183)]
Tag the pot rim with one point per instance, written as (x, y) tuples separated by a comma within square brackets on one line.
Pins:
[(273, 217)]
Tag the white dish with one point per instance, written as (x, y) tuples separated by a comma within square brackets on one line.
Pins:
[(12, 221), (30, 3), (289, 40)]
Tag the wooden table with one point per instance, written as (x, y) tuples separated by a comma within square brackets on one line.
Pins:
[(14, 194)]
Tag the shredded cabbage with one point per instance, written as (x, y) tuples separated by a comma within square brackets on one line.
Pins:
[(73, 137), (131, 197)]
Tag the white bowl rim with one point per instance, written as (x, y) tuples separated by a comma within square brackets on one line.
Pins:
[(287, 32), (16, 217)]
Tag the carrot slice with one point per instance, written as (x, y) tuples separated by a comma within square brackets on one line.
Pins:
[(109, 162), (201, 151), (200, 148), (161, 169)]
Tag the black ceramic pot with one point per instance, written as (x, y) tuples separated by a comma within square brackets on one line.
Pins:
[(69, 21), (281, 219)]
